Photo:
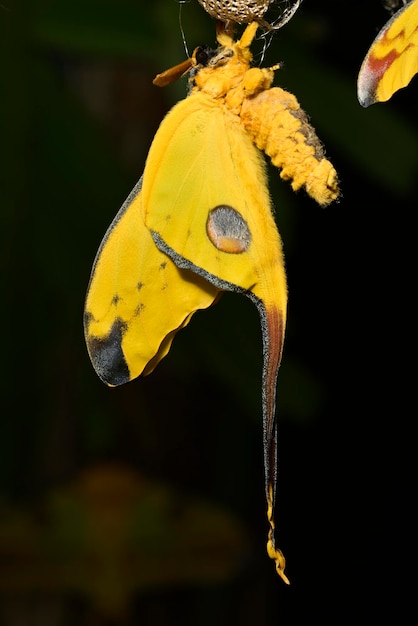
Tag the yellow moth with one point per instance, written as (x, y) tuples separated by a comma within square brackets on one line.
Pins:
[(392, 60), (200, 222)]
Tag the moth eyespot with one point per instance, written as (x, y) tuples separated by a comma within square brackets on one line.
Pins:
[(227, 230)]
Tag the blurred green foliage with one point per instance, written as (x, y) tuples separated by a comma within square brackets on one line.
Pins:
[(77, 114)]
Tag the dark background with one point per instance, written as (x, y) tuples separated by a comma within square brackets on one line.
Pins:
[(145, 504)]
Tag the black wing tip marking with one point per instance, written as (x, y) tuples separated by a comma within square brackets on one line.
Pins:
[(107, 356)]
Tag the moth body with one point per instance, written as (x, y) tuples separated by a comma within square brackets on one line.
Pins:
[(272, 118)]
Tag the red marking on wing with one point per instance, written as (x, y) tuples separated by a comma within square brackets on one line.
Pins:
[(378, 67)]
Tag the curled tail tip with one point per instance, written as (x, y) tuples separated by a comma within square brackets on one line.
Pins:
[(283, 575), (278, 558)]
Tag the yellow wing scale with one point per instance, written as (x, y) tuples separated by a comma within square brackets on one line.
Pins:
[(392, 59), (200, 222)]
